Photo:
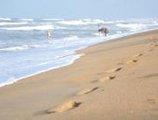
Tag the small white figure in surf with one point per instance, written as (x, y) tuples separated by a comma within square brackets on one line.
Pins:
[(49, 35)]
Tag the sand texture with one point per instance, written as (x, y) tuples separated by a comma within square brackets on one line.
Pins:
[(114, 80)]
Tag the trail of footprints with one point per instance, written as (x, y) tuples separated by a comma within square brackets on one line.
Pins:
[(69, 105)]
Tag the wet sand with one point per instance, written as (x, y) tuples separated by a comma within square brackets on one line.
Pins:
[(114, 80)]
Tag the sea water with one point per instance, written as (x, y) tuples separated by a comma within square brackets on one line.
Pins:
[(26, 48)]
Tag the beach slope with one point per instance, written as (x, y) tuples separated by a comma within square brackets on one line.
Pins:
[(114, 80)]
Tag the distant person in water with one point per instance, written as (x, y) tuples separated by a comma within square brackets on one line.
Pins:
[(49, 35), (103, 30)]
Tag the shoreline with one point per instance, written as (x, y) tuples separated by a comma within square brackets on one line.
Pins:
[(77, 56), (113, 80), (34, 74)]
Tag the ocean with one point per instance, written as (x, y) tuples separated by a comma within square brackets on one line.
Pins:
[(26, 49)]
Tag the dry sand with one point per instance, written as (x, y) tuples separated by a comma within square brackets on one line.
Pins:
[(132, 94)]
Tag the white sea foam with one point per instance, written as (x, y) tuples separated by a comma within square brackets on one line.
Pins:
[(51, 19), (26, 19), (59, 27), (21, 48), (17, 48), (98, 21), (12, 23), (119, 32), (132, 26), (155, 22), (96, 34), (8, 82), (28, 28), (71, 37), (81, 22), (72, 22), (5, 19)]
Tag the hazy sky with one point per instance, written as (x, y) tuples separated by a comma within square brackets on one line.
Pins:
[(70, 9)]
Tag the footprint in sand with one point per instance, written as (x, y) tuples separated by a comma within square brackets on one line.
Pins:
[(153, 44), (138, 55), (156, 45), (114, 69), (151, 101), (104, 79), (150, 50), (64, 107), (86, 91), (153, 104), (132, 61)]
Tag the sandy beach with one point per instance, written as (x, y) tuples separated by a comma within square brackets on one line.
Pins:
[(114, 80)]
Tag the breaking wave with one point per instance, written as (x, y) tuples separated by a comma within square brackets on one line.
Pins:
[(12, 23), (5, 19), (28, 28), (132, 26), (82, 22), (26, 19), (20, 48)]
